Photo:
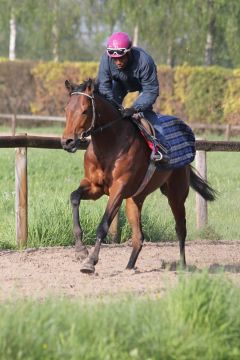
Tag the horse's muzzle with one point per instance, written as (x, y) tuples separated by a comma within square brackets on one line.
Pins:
[(72, 145), (69, 145)]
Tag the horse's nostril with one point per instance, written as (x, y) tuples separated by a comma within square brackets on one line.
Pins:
[(69, 141)]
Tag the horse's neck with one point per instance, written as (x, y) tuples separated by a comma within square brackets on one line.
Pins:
[(112, 130), (106, 112)]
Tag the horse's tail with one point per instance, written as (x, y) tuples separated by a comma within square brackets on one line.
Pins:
[(201, 186)]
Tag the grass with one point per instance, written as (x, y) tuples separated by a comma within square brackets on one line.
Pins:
[(54, 174), (199, 319), (54, 129)]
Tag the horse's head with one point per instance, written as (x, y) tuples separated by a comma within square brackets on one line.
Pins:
[(80, 114)]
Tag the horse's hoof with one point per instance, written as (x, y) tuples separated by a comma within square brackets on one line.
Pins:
[(87, 268), (131, 271), (81, 254)]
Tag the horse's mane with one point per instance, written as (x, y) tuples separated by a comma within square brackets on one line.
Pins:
[(92, 82), (86, 83)]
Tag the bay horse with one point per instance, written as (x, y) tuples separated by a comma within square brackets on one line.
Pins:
[(115, 164)]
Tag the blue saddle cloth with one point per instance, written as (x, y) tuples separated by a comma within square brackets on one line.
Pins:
[(179, 140)]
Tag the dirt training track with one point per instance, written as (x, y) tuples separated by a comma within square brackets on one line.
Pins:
[(54, 271)]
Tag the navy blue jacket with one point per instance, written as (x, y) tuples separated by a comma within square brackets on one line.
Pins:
[(140, 75)]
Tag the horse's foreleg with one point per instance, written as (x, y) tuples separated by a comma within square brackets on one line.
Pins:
[(85, 191), (113, 205), (81, 251), (133, 210)]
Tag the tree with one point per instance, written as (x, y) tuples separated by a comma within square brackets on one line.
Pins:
[(196, 32), (12, 36)]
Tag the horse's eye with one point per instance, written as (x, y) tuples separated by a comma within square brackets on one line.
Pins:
[(85, 112)]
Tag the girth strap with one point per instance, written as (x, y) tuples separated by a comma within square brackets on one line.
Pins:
[(150, 171), (152, 166)]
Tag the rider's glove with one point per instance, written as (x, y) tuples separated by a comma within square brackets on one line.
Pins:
[(128, 112)]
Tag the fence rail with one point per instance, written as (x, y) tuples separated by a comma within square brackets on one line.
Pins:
[(54, 142), (22, 142), (42, 142), (228, 129), (27, 117)]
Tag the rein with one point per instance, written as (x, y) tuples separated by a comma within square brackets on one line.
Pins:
[(91, 130)]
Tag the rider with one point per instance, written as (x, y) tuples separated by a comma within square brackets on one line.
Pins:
[(124, 69)]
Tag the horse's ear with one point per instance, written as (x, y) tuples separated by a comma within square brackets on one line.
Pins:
[(69, 86), (90, 86)]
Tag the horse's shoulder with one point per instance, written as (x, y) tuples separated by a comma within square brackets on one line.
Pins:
[(89, 153)]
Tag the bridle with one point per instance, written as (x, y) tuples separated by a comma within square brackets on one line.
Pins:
[(92, 130)]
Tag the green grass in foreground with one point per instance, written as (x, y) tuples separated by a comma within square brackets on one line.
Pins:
[(199, 319), (54, 174)]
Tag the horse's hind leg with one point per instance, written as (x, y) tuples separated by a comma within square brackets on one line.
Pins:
[(180, 227), (177, 192), (133, 211)]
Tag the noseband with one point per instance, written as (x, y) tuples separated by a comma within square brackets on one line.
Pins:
[(92, 130)]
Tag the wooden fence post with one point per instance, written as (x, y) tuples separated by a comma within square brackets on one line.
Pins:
[(201, 204), (21, 196), (228, 132), (14, 121)]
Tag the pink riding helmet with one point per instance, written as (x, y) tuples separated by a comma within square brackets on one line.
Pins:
[(118, 44)]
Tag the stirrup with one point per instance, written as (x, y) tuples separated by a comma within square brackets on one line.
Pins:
[(159, 157), (156, 156)]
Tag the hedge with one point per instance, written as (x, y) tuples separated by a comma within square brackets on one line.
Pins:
[(195, 94), (231, 101)]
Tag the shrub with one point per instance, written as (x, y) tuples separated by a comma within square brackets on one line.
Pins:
[(231, 101), (195, 94), (205, 94), (49, 77)]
